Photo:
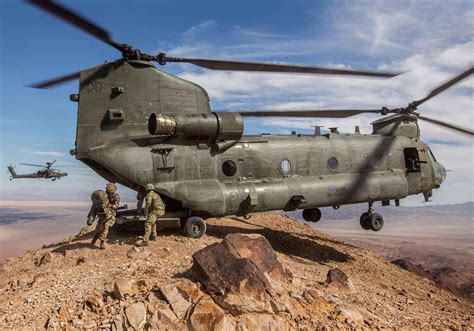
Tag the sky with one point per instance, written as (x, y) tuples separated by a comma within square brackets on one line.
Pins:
[(429, 41)]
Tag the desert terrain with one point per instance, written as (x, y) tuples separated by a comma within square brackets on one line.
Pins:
[(52, 277), (436, 239), (311, 280)]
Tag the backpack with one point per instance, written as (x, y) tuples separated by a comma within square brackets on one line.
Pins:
[(98, 198)]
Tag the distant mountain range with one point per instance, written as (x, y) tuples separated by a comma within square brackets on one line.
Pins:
[(354, 211)]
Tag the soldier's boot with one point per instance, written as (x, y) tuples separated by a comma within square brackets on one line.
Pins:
[(103, 244), (153, 232), (94, 240)]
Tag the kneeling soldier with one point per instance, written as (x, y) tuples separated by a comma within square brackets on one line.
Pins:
[(105, 215), (154, 209)]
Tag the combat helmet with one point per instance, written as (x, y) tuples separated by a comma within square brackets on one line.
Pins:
[(111, 188), (149, 187)]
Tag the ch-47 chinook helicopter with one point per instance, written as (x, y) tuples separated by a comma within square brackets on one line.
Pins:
[(46, 172), (137, 124)]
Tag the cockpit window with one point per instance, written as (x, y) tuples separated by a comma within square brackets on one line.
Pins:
[(431, 155)]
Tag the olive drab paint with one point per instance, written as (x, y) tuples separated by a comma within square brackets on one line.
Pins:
[(204, 166)]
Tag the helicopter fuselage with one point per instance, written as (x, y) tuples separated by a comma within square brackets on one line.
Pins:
[(250, 174)]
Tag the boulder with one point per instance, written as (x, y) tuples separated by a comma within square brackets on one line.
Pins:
[(63, 313), (80, 260), (94, 302), (207, 316), (257, 249), (338, 278), (349, 315), (136, 315), (261, 322), (122, 288), (181, 295), (43, 259), (237, 272)]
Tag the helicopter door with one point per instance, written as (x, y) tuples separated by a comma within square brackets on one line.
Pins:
[(418, 171), (412, 160)]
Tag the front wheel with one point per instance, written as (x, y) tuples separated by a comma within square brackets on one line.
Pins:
[(375, 221), (312, 215), (195, 227)]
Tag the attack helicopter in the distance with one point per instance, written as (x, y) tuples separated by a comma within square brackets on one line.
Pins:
[(137, 124), (47, 172)]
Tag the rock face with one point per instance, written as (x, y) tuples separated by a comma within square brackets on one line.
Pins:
[(237, 273), (233, 284)]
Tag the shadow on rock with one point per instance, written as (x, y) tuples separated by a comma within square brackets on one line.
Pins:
[(72, 246), (286, 243)]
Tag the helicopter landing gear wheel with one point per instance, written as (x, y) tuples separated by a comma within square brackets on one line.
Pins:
[(312, 215), (364, 221), (375, 221), (195, 227)]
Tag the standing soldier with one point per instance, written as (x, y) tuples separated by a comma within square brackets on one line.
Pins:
[(154, 209), (100, 209)]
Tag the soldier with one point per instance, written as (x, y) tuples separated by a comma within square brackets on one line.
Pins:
[(100, 209), (114, 198), (154, 208)]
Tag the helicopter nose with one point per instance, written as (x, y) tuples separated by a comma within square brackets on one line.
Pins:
[(440, 174)]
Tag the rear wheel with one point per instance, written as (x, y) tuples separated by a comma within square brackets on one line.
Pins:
[(364, 221), (195, 227)]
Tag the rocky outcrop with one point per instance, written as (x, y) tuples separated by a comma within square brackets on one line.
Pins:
[(239, 272), (223, 281)]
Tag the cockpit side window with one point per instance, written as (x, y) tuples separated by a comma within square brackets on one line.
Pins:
[(412, 159), (431, 155)]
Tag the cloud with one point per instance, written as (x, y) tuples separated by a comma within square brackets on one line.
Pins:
[(201, 27), (46, 153), (429, 42)]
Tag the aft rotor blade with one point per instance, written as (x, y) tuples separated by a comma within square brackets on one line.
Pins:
[(32, 165), (444, 87), (283, 68), (77, 20), (57, 80), (336, 113), (447, 125)]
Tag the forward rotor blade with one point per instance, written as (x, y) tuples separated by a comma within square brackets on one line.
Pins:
[(77, 20), (57, 80), (269, 67), (32, 165), (336, 113), (447, 125), (444, 87)]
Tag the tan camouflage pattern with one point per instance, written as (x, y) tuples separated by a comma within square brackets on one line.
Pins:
[(154, 209)]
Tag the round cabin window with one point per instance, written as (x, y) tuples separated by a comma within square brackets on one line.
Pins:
[(374, 162), (284, 166), (229, 168), (333, 163)]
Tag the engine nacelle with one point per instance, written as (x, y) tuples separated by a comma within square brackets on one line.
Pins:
[(198, 127)]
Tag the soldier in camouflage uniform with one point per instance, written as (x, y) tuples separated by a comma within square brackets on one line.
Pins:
[(154, 209), (105, 215), (114, 198)]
